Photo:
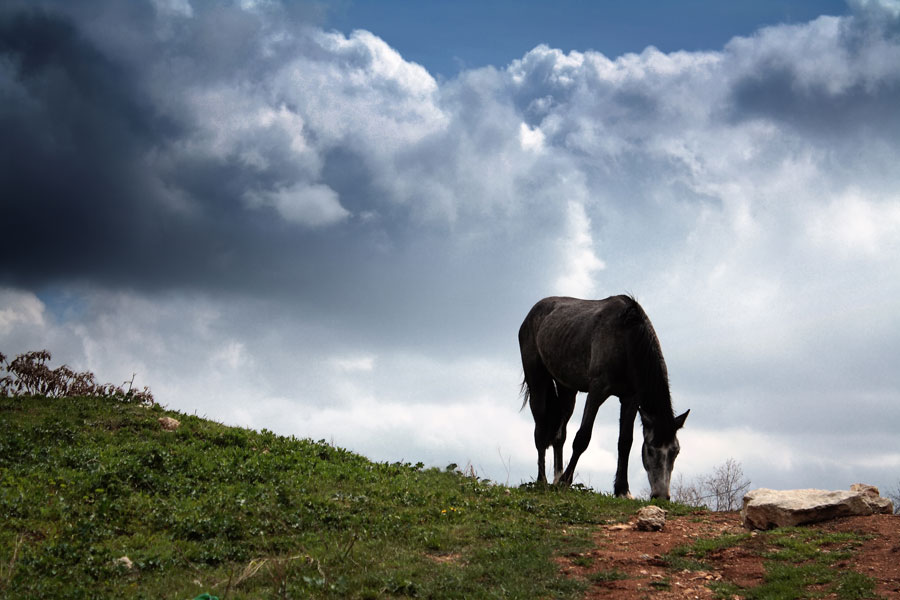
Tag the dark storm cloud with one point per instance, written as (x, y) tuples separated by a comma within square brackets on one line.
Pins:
[(74, 127), (96, 187), (776, 92), (848, 88), (80, 199)]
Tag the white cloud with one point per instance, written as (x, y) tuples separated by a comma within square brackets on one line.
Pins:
[(356, 363), (233, 355), (313, 205), (531, 139), (360, 88), (852, 225), (19, 308), (579, 262)]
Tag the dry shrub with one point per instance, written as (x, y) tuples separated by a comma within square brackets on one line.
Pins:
[(29, 375), (723, 489)]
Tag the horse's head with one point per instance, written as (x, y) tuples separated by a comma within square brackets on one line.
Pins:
[(659, 451)]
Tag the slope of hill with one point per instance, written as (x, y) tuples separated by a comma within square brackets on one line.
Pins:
[(98, 500)]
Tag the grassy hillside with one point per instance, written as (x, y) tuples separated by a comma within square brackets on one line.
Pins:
[(241, 514)]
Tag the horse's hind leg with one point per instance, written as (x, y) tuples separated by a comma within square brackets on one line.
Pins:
[(544, 406), (566, 398)]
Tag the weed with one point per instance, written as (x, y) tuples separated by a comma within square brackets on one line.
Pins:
[(853, 585), (661, 584), (684, 563), (582, 560), (608, 575), (689, 557), (704, 546), (798, 560), (724, 590)]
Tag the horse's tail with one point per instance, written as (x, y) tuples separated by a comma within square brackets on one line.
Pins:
[(525, 393), (531, 361), (526, 339)]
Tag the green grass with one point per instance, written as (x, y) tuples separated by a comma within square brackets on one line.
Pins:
[(704, 546), (799, 563), (243, 514)]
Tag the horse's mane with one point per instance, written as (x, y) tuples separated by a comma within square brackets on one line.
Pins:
[(647, 363)]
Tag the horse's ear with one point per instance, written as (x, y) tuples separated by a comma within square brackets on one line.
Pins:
[(680, 419)]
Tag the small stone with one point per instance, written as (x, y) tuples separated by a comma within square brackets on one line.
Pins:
[(123, 561), (650, 518), (169, 424)]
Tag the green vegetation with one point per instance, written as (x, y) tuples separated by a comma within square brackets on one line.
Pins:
[(704, 546), (86, 481), (98, 500), (800, 563), (604, 576), (691, 557)]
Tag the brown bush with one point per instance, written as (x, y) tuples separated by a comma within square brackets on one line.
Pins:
[(29, 375)]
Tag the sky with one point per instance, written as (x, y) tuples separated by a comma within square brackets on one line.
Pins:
[(329, 219)]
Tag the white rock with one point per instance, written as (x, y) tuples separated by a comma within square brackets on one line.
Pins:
[(765, 508), (873, 497), (123, 561), (650, 518), (169, 424)]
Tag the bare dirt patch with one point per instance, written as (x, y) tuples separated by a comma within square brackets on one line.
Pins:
[(628, 564)]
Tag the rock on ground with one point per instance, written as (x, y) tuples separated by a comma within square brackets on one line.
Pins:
[(168, 423), (765, 508), (650, 518)]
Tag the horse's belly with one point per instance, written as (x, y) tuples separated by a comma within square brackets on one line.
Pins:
[(567, 364), (581, 351)]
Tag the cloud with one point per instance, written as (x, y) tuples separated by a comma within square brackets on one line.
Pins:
[(580, 262), (180, 8), (853, 224), (19, 308), (313, 205)]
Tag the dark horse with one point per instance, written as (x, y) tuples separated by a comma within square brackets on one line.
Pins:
[(605, 348)]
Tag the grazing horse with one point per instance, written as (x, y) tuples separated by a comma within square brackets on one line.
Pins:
[(605, 348)]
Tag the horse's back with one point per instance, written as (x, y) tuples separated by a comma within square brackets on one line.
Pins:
[(575, 314), (575, 338)]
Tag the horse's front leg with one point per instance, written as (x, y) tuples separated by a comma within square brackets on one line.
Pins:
[(595, 398), (626, 436)]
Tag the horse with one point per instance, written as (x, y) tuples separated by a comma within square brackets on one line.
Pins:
[(605, 348)]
